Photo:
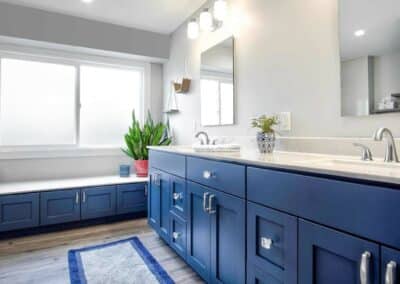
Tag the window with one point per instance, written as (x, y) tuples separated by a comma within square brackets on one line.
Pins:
[(50, 103)]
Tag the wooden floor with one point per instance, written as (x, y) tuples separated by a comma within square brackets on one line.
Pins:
[(43, 258)]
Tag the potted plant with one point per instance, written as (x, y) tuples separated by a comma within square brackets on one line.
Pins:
[(266, 135), (139, 138)]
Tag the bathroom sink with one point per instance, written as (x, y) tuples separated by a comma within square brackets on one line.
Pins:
[(216, 148)]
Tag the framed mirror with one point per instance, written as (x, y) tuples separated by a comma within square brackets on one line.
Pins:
[(217, 86), (370, 56)]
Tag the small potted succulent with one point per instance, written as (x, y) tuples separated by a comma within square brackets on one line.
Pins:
[(266, 134), (139, 138)]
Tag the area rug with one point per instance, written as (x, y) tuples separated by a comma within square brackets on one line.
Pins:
[(124, 261)]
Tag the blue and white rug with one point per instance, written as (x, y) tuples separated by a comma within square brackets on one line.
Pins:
[(125, 261)]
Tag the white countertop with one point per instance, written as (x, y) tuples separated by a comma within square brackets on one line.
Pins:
[(336, 165), (57, 184)]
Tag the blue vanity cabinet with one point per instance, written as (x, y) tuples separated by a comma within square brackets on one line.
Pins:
[(159, 201), (198, 230), (131, 198), (228, 238), (98, 202), (60, 206), (19, 211), (271, 245), (327, 256), (390, 266)]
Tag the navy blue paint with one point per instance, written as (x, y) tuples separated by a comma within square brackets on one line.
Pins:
[(198, 231), (228, 235), (171, 163), (98, 202), (76, 270), (368, 211), (131, 198), (226, 177), (388, 255), (280, 261), (270, 275), (19, 211), (327, 256), (178, 186), (178, 225), (60, 206)]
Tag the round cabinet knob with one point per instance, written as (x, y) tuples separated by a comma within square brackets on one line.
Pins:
[(176, 235), (177, 196), (266, 243), (207, 174)]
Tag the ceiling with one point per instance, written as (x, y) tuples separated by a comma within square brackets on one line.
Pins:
[(381, 21), (162, 16)]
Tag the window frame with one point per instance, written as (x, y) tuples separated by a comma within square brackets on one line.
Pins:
[(75, 59)]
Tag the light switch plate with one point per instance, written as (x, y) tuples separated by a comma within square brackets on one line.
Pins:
[(285, 121)]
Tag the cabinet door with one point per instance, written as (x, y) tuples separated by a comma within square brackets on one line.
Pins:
[(158, 206), (19, 211), (178, 196), (198, 230), (178, 234), (327, 256), (272, 244), (60, 206), (390, 266), (98, 202), (228, 246), (131, 198)]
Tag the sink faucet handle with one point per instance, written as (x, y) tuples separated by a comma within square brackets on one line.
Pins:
[(366, 152)]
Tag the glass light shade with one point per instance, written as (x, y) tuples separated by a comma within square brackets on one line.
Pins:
[(206, 20), (193, 29), (220, 10)]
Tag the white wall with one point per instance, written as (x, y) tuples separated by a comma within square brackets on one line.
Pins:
[(287, 59)]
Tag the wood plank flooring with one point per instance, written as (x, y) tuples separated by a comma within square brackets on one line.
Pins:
[(43, 258)]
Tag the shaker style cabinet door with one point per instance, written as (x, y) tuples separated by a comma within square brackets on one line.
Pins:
[(98, 202), (131, 198), (327, 256), (60, 206)]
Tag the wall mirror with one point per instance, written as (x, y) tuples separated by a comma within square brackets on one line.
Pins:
[(217, 86), (370, 56)]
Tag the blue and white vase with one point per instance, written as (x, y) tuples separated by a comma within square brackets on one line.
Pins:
[(266, 142)]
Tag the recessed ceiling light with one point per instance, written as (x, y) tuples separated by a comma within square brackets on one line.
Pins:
[(359, 33), (87, 1)]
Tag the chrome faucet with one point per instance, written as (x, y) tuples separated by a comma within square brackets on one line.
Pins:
[(386, 135), (205, 135)]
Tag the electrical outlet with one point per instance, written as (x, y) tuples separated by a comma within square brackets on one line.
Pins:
[(285, 121)]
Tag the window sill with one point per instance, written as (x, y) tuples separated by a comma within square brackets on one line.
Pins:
[(22, 154)]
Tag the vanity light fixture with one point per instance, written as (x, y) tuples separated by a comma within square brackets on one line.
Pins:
[(206, 20), (359, 33), (193, 29), (220, 10)]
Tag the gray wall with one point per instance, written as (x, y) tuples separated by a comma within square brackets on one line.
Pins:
[(287, 59), (34, 24)]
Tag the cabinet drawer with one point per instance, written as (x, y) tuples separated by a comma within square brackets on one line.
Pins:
[(131, 198), (366, 210), (178, 196), (19, 211), (178, 235), (272, 242), (226, 177), (168, 162)]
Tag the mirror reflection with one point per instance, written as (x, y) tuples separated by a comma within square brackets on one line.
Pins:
[(370, 56), (217, 84)]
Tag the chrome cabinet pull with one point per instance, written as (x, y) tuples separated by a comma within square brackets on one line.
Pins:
[(77, 197), (177, 196), (84, 197), (157, 179), (365, 268), (210, 204), (266, 243), (145, 190), (205, 195), (176, 235), (390, 275), (208, 175)]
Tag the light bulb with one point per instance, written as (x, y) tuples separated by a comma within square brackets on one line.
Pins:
[(206, 20), (359, 33), (220, 10), (193, 29)]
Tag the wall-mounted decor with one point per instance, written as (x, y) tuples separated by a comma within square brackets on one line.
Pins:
[(183, 87), (172, 106)]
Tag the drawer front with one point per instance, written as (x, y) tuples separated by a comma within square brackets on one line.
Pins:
[(226, 177), (365, 210), (178, 235), (60, 206), (168, 162), (19, 211), (272, 242), (178, 196), (131, 198)]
